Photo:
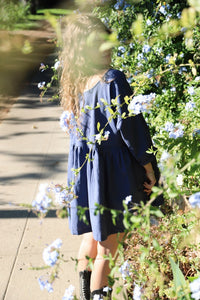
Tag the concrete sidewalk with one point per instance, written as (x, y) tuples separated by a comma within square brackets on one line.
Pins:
[(33, 150)]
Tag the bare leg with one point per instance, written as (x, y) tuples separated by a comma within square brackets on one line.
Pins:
[(101, 268), (88, 248)]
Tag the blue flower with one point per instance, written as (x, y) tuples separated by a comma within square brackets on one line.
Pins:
[(197, 78), (175, 131), (45, 284), (158, 50), (43, 200), (165, 155), (141, 103), (148, 22), (51, 253), (150, 74), (122, 49), (195, 289), (196, 132), (106, 135), (69, 293), (168, 17), (162, 10), (169, 126), (182, 69), (140, 56), (125, 269), (56, 65), (41, 85), (167, 58), (119, 4), (191, 90), (62, 195), (146, 48), (173, 89), (190, 106), (42, 67), (194, 200), (183, 29), (67, 121)]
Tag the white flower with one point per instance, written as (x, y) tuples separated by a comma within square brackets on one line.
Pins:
[(197, 78), (69, 293), (179, 180), (158, 50), (195, 200), (195, 289), (106, 135), (98, 137), (162, 10), (56, 65), (148, 22), (41, 85), (137, 292), (128, 199), (173, 89)]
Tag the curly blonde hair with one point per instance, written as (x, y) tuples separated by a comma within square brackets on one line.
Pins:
[(80, 58)]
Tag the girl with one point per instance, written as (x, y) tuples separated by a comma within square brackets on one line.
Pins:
[(117, 163)]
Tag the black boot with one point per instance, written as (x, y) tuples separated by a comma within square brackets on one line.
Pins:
[(84, 278), (103, 293)]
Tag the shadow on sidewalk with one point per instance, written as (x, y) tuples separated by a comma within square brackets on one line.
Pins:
[(23, 213)]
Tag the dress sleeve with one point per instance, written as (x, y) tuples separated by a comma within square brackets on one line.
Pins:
[(134, 130)]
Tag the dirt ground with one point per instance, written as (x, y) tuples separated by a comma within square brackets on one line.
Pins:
[(21, 53)]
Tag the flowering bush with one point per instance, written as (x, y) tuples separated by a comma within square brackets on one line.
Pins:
[(156, 45)]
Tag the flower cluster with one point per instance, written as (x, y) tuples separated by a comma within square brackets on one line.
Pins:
[(128, 199), (195, 289), (121, 4), (62, 195), (125, 270), (190, 106), (141, 103), (45, 284), (69, 293), (137, 292), (41, 85), (175, 131), (51, 253), (194, 200), (67, 121), (99, 137), (43, 199)]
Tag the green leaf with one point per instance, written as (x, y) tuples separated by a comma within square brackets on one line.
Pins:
[(98, 126), (178, 278)]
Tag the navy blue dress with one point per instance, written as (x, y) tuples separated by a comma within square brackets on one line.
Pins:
[(115, 167)]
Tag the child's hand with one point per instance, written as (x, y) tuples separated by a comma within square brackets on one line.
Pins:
[(151, 182)]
